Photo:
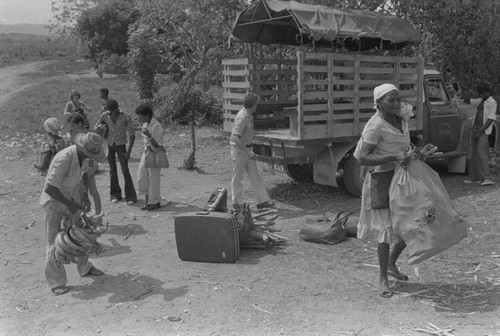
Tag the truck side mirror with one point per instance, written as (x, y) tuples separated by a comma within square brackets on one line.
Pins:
[(456, 87)]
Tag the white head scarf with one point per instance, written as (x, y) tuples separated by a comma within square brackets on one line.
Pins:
[(381, 91), (405, 111)]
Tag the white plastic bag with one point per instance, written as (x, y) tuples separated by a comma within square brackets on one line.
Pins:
[(422, 213)]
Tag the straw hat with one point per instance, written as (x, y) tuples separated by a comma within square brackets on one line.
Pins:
[(93, 145)]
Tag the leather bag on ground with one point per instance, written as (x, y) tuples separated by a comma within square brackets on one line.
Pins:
[(422, 212), (325, 229)]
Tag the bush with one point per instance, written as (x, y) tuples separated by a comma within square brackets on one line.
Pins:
[(207, 109), (115, 64)]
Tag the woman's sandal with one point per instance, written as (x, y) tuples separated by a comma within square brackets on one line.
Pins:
[(60, 290), (386, 294)]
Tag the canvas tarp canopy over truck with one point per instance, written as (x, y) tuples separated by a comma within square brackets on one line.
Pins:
[(294, 23)]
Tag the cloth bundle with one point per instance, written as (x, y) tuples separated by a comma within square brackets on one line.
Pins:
[(422, 213)]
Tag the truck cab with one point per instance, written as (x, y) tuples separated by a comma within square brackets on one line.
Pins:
[(442, 125)]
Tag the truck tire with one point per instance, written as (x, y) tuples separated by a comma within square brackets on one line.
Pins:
[(301, 172), (352, 175)]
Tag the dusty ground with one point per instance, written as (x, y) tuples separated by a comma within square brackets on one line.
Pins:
[(298, 288)]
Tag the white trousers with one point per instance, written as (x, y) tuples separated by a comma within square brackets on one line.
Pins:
[(56, 273), (241, 162), (148, 182)]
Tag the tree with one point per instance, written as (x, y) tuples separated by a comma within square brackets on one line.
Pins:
[(193, 34), (67, 12), (461, 37), (104, 28)]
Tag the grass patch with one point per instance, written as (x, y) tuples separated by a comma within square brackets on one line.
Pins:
[(26, 111)]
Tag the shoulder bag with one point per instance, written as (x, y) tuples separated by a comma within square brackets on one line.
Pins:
[(156, 158), (379, 191), (325, 230)]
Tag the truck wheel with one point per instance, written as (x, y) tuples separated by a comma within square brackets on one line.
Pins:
[(301, 172), (352, 175)]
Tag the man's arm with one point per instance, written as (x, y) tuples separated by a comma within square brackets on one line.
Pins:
[(56, 194)]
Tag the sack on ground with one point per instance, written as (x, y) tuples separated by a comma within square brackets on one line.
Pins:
[(325, 229), (422, 212), (157, 158)]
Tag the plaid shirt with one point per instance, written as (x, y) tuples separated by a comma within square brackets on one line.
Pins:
[(120, 131)]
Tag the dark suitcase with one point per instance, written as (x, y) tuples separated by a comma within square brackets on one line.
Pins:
[(217, 201), (207, 237)]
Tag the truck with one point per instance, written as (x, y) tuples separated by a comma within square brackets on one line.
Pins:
[(314, 104)]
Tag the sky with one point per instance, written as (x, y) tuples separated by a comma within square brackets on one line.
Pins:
[(25, 11)]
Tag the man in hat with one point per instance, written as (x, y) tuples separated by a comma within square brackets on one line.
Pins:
[(120, 133), (479, 169), (242, 156), (61, 199)]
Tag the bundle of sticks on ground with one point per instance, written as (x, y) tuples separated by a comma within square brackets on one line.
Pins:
[(258, 231)]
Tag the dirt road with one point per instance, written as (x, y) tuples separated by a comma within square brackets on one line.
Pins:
[(11, 82), (298, 289)]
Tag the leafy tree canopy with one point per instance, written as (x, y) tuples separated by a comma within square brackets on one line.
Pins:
[(104, 27)]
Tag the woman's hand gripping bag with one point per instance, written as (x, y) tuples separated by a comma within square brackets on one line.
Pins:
[(422, 213)]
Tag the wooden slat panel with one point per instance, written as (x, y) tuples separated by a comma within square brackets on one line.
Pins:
[(357, 93), (235, 61), (408, 70), (300, 94), (278, 72), (315, 68), (274, 93), (315, 107), (232, 107), (342, 69), (274, 82), (331, 82), (316, 56), (271, 61), (309, 81), (239, 85), (285, 103), (236, 72), (322, 95), (319, 117), (233, 95), (376, 70)]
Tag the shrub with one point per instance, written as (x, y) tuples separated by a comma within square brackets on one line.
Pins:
[(115, 64), (206, 108)]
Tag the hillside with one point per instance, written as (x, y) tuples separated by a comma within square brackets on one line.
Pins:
[(24, 28)]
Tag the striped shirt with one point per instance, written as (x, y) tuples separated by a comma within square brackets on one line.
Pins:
[(120, 131)]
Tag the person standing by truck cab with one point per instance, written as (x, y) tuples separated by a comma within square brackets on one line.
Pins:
[(242, 156), (479, 169)]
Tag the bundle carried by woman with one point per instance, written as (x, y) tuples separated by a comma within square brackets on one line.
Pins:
[(422, 212)]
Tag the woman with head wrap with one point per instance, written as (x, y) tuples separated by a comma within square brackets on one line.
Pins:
[(381, 147)]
